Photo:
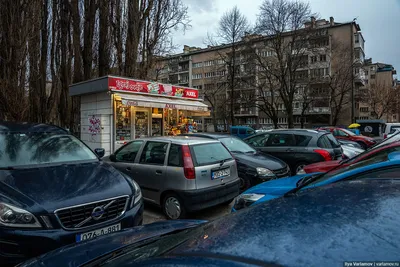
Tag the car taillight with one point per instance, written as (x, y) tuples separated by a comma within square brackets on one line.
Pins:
[(384, 136), (188, 166), (325, 154)]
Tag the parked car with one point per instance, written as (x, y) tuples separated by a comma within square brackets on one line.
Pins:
[(344, 134), (325, 226), (54, 190), (180, 174), (349, 143), (381, 167), (241, 131), (349, 152), (383, 148), (389, 129), (253, 167), (297, 147)]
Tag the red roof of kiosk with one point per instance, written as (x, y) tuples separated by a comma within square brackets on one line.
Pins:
[(153, 88)]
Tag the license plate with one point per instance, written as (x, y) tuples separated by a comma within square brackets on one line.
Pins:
[(98, 232), (220, 173)]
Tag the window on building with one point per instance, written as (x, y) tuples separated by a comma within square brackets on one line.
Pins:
[(209, 63), (209, 74), (322, 58), (356, 38), (366, 72), (364, 109), (313, 59), (198, 86), (220, 73), (297, 105), (372, 76), (197, 64), (197, 76)]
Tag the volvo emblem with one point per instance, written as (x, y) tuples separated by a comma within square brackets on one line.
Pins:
[(97, 213)]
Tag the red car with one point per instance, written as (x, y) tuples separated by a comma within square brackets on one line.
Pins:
[(381, 150), (340, 133)]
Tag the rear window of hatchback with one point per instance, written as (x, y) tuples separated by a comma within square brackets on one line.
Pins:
[(211, 153)]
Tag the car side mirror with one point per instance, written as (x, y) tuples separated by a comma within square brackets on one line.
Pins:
[(100, 152), (113, 157)]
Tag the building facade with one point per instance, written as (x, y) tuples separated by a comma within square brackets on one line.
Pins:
[(333, 46)]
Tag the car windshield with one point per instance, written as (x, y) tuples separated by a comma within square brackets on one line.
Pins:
[(348, 132), (23, 149), (335, 172), (236, 145)]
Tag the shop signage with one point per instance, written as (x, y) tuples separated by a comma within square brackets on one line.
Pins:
[(172, 106), (120, 84), (163, 105)]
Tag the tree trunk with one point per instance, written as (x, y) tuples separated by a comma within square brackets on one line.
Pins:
[(90, 18), (76, 21), (104, 53), (43, 64)]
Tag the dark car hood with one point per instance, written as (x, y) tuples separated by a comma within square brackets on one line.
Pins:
[(260, 160), (53, 187), (78, 254)]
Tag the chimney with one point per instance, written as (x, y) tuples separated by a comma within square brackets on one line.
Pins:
[(186, 49), (331, 21), (312, 22)]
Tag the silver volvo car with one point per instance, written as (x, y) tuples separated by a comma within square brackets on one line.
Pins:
[(180, 174)]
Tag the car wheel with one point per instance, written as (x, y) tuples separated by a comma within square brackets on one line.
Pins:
[(244, 184), (299, 167), (173, 207)]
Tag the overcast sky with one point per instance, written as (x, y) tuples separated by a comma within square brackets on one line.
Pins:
[(379, 21)]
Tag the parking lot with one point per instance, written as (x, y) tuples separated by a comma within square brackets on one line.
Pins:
[(154, 214)]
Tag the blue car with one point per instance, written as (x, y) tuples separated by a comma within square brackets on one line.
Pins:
[(324, 226), (381, 166), (55, 191)]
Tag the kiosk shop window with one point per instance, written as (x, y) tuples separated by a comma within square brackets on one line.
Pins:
[(123, 122)]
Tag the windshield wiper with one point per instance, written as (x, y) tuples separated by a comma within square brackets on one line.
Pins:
[(237, 151)]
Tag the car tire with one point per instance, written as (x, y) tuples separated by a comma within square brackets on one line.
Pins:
[(173, 207), (244, 184), (299, 166), (363, 145)]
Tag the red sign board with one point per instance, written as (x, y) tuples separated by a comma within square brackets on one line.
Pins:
[(134, 86)]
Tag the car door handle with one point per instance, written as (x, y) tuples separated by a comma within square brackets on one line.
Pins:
[(128, 169), (158, 172)]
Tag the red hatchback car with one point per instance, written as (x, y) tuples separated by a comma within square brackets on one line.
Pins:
[(380, 150), (340, 133)]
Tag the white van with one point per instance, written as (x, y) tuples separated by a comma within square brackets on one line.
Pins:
[(390, 128)]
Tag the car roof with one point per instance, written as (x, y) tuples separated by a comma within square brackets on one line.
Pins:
[(25, 127), (209, 135), (292, 131), (182, 140)]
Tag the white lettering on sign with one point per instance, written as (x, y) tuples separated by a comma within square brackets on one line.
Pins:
[(170, 106), (191, 93), (120, 84)]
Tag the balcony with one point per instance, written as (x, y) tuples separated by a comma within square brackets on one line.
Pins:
[(246, 112), (359, 77), (359, 41)]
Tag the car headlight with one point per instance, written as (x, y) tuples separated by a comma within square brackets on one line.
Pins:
[(137, 194), (245, 200), (264, 172), (12, 216), (301, 172)]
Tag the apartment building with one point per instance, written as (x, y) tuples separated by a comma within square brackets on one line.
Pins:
[(334, 46), (379, 87)]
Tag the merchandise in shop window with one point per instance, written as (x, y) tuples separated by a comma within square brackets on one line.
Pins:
[(123, 122), (141, 124)]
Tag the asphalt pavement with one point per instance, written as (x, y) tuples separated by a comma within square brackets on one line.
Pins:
[(154, 214)]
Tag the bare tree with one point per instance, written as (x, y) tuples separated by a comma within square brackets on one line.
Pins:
[(232, 27), (382, 99), (283, 20)]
